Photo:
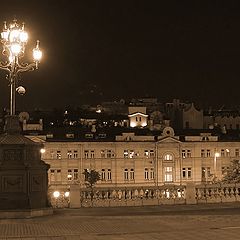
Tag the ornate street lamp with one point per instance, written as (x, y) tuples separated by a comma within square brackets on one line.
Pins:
[(14, 39)]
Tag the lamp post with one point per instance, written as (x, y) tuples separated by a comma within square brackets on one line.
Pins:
[(14, 39), (216, 155)]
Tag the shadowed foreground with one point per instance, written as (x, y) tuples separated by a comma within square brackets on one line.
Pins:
[(210, 221)]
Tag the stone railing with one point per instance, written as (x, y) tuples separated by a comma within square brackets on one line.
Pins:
[(133, 196), (217, 193), (143, 196)]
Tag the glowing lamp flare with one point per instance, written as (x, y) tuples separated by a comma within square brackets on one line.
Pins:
[(14, 35), (15, 49), (56, 194), (37, 54), (23, 37), (4, 35), (67, 194), (42, 150), (14, 39)]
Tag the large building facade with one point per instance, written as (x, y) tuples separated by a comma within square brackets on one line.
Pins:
[(140, 161)]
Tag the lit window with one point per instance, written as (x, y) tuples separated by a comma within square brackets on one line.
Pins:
[(131, 154), (69, 176), (168, 157), (206, 173), (148, 153), (59, 156), (168, 174), (69, 135), (125, 153), (128, 153), (189, 153), (108, 153), (227, 152), (69, 154), (183, 153), (72, 174)]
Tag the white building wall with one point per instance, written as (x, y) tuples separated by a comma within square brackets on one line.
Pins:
[(117, 163)]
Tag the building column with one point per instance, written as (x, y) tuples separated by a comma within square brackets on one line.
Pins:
[(191, 193), (75, 196)]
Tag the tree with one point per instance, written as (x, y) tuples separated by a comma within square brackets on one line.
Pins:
[(91, 178), (232, 174)]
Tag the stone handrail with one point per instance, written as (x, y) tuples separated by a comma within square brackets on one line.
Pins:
[(214, 193)]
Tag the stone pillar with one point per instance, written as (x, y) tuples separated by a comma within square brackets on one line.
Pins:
[(23, 175), (75, 196), (191, 193)]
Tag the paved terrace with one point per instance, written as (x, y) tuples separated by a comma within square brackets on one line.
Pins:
[(209, 221)]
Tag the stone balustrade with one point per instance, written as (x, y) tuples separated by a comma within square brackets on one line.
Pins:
[(124, 197), (214, 193), (142, 196)]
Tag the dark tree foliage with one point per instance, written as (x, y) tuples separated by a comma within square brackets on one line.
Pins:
[(91, 178), (232, 174)]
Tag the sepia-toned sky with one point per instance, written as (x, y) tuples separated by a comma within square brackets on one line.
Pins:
[(107, 50)]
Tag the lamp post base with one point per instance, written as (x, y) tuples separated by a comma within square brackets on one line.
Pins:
[(23, 175)]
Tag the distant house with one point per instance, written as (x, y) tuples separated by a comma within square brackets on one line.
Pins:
[(137, 116)]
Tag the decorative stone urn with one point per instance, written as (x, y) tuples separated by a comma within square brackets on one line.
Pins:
[(23, 175)]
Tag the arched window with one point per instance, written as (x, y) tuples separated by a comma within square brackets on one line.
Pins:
[(168, 157)]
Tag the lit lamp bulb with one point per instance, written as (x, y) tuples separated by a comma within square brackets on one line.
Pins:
[(217, 154), (14, 35), (67, 194), (4, 35), (37, 53), (15, 49), (10, 58), (42, 150), (56, 194), (23, 36), (5, 32)]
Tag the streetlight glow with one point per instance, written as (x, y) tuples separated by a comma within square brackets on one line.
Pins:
[(14, 39), (23, 36), (15, 49), (66, 194), (37, 54), (56, 194), (42, 150)]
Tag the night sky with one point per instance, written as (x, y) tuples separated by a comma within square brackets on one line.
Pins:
[(98, 51)]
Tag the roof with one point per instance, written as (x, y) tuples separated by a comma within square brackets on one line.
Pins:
[(7, 139)]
